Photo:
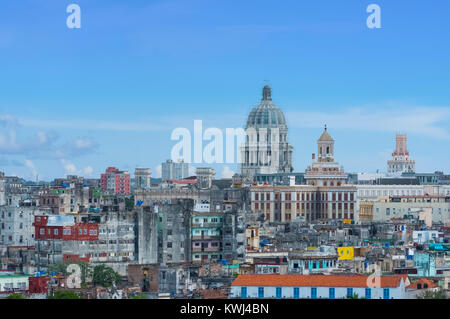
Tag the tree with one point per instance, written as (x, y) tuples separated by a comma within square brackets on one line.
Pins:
[(15, 296), (129, 203), (64, 294), (105, 276), (61, 269), (58, 269), (430, 294), (86, 270)]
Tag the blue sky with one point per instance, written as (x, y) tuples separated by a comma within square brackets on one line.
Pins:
[(109, 94)]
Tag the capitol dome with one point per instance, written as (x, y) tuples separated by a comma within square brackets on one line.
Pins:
[(266, 114)]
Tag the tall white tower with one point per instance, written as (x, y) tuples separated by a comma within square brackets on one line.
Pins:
[(325, 171), (401, 163), (266, 149)]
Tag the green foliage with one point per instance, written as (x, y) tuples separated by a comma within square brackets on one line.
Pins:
[(139, 295), (61, 269), (129, 203), (64, 294), (15, 296), (58, 269), (429, 294), (355, 296), (105, 276)]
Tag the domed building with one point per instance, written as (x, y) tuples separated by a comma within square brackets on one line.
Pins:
[(266, 150)]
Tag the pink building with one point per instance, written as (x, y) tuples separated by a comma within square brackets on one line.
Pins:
[(116, 181), (401, 162)]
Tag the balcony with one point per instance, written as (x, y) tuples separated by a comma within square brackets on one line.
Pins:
[(206, 237)]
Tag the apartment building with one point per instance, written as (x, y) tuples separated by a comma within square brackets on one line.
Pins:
[(390, 207), (98, 239), (115, 181), (285, 203)]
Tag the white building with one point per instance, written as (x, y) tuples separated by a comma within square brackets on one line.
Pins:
[(12, 282), (437, 208), (16, 224), (424, 236), (2, 189), (266, 149), (317, 287), (174, 170)]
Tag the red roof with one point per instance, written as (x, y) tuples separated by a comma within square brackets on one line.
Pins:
[(422, 282), (313, 281)]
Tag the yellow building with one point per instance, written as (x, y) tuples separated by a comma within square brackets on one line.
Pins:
[(346, 253)]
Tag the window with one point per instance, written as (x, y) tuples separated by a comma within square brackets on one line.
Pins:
[(243, 292), (331, 293), (386, 293), (260, 292), (279, 292), (296, 292), (313, 293), (349, 292), (368, 293)]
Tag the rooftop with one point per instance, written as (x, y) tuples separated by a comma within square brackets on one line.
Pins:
[(313, 281)]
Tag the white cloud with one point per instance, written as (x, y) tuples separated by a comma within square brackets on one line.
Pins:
[(227, 172), (41, 144), (71, 169), (34, 172), (421, 120), (88, 170)]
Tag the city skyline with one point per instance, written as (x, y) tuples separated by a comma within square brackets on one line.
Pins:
[(224, 155), (97, 88)]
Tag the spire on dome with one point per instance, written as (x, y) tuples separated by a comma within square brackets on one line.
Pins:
[(267, 93), (325, 136)]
